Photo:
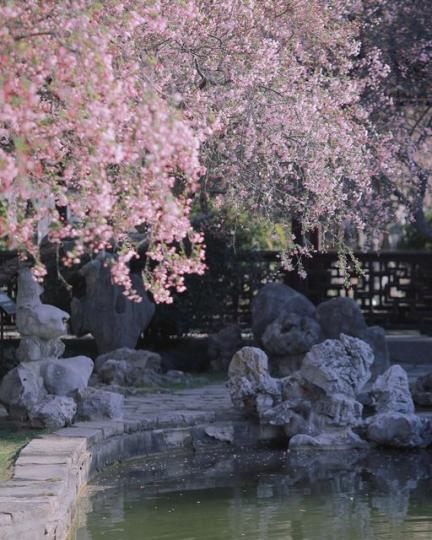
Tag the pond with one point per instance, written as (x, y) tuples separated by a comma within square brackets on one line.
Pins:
[(263, 496)]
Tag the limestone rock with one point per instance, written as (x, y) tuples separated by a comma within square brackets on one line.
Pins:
[(294, 416), (391, 392), (126, 367), (288, 338), (343, 315), (53, 412), (32, 348), (328, 440), (104, 311), (44, 321), (62, 376), (338, 366), (376, 337), (399, 430), (96, 404), (21, 389), (422, 391), (117, 372), (41, 325), (223, 345), (250, 384), (338, 410), (220, 433), (140, 357), (276, 299)]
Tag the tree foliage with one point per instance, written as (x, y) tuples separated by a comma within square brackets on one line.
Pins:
[(124, 111)]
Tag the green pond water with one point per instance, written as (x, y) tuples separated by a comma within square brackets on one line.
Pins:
[(265, 496)]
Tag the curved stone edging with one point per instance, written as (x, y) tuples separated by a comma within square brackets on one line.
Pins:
[(39, 502)]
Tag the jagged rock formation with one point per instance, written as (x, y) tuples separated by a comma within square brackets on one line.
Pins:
[(40, 325), (103, 311), (222, 346), (422, 390), (395, 422), (284, 324), (318, 405), (343, 315), (43, 388), (287, 325)]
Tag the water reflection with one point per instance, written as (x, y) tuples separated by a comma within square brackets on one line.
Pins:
[(263, 496)]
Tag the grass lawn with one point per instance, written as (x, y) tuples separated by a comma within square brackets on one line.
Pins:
[(12, 439)]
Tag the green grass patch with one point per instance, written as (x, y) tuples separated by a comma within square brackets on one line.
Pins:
[(12, 439)]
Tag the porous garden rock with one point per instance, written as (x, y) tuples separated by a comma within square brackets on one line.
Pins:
[(288, 338), (222, 346), (138, 357), (40, 325), (105, 312), (316, 405), (330, 440), (376, 337), (53, 412), (343, 315), (250, 384), (32, 348), (95, 404), (422, 390), (62, 376), (391, 392), (395, 423), (124, 373), (338, 366), (21, 389), (399, 430), (274, 300)]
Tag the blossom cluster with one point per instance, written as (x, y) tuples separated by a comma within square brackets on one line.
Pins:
[(123, 110)]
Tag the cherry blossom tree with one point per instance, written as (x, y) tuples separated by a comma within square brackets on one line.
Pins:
[(401, 31), (82, 126), (125, 111)]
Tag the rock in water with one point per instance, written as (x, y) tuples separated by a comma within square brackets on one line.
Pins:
[(395, 423), (391, 392), (343, 315), (250, 384), (422, 391), (53, 412), (399, 430), (104, 311), (338, 366)]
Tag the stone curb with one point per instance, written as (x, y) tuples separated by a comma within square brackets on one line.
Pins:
[(39, 502)]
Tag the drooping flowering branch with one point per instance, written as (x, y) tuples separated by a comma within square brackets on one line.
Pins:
[(121, 111)]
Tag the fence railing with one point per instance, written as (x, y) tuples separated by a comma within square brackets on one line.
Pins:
[(394, 289)]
